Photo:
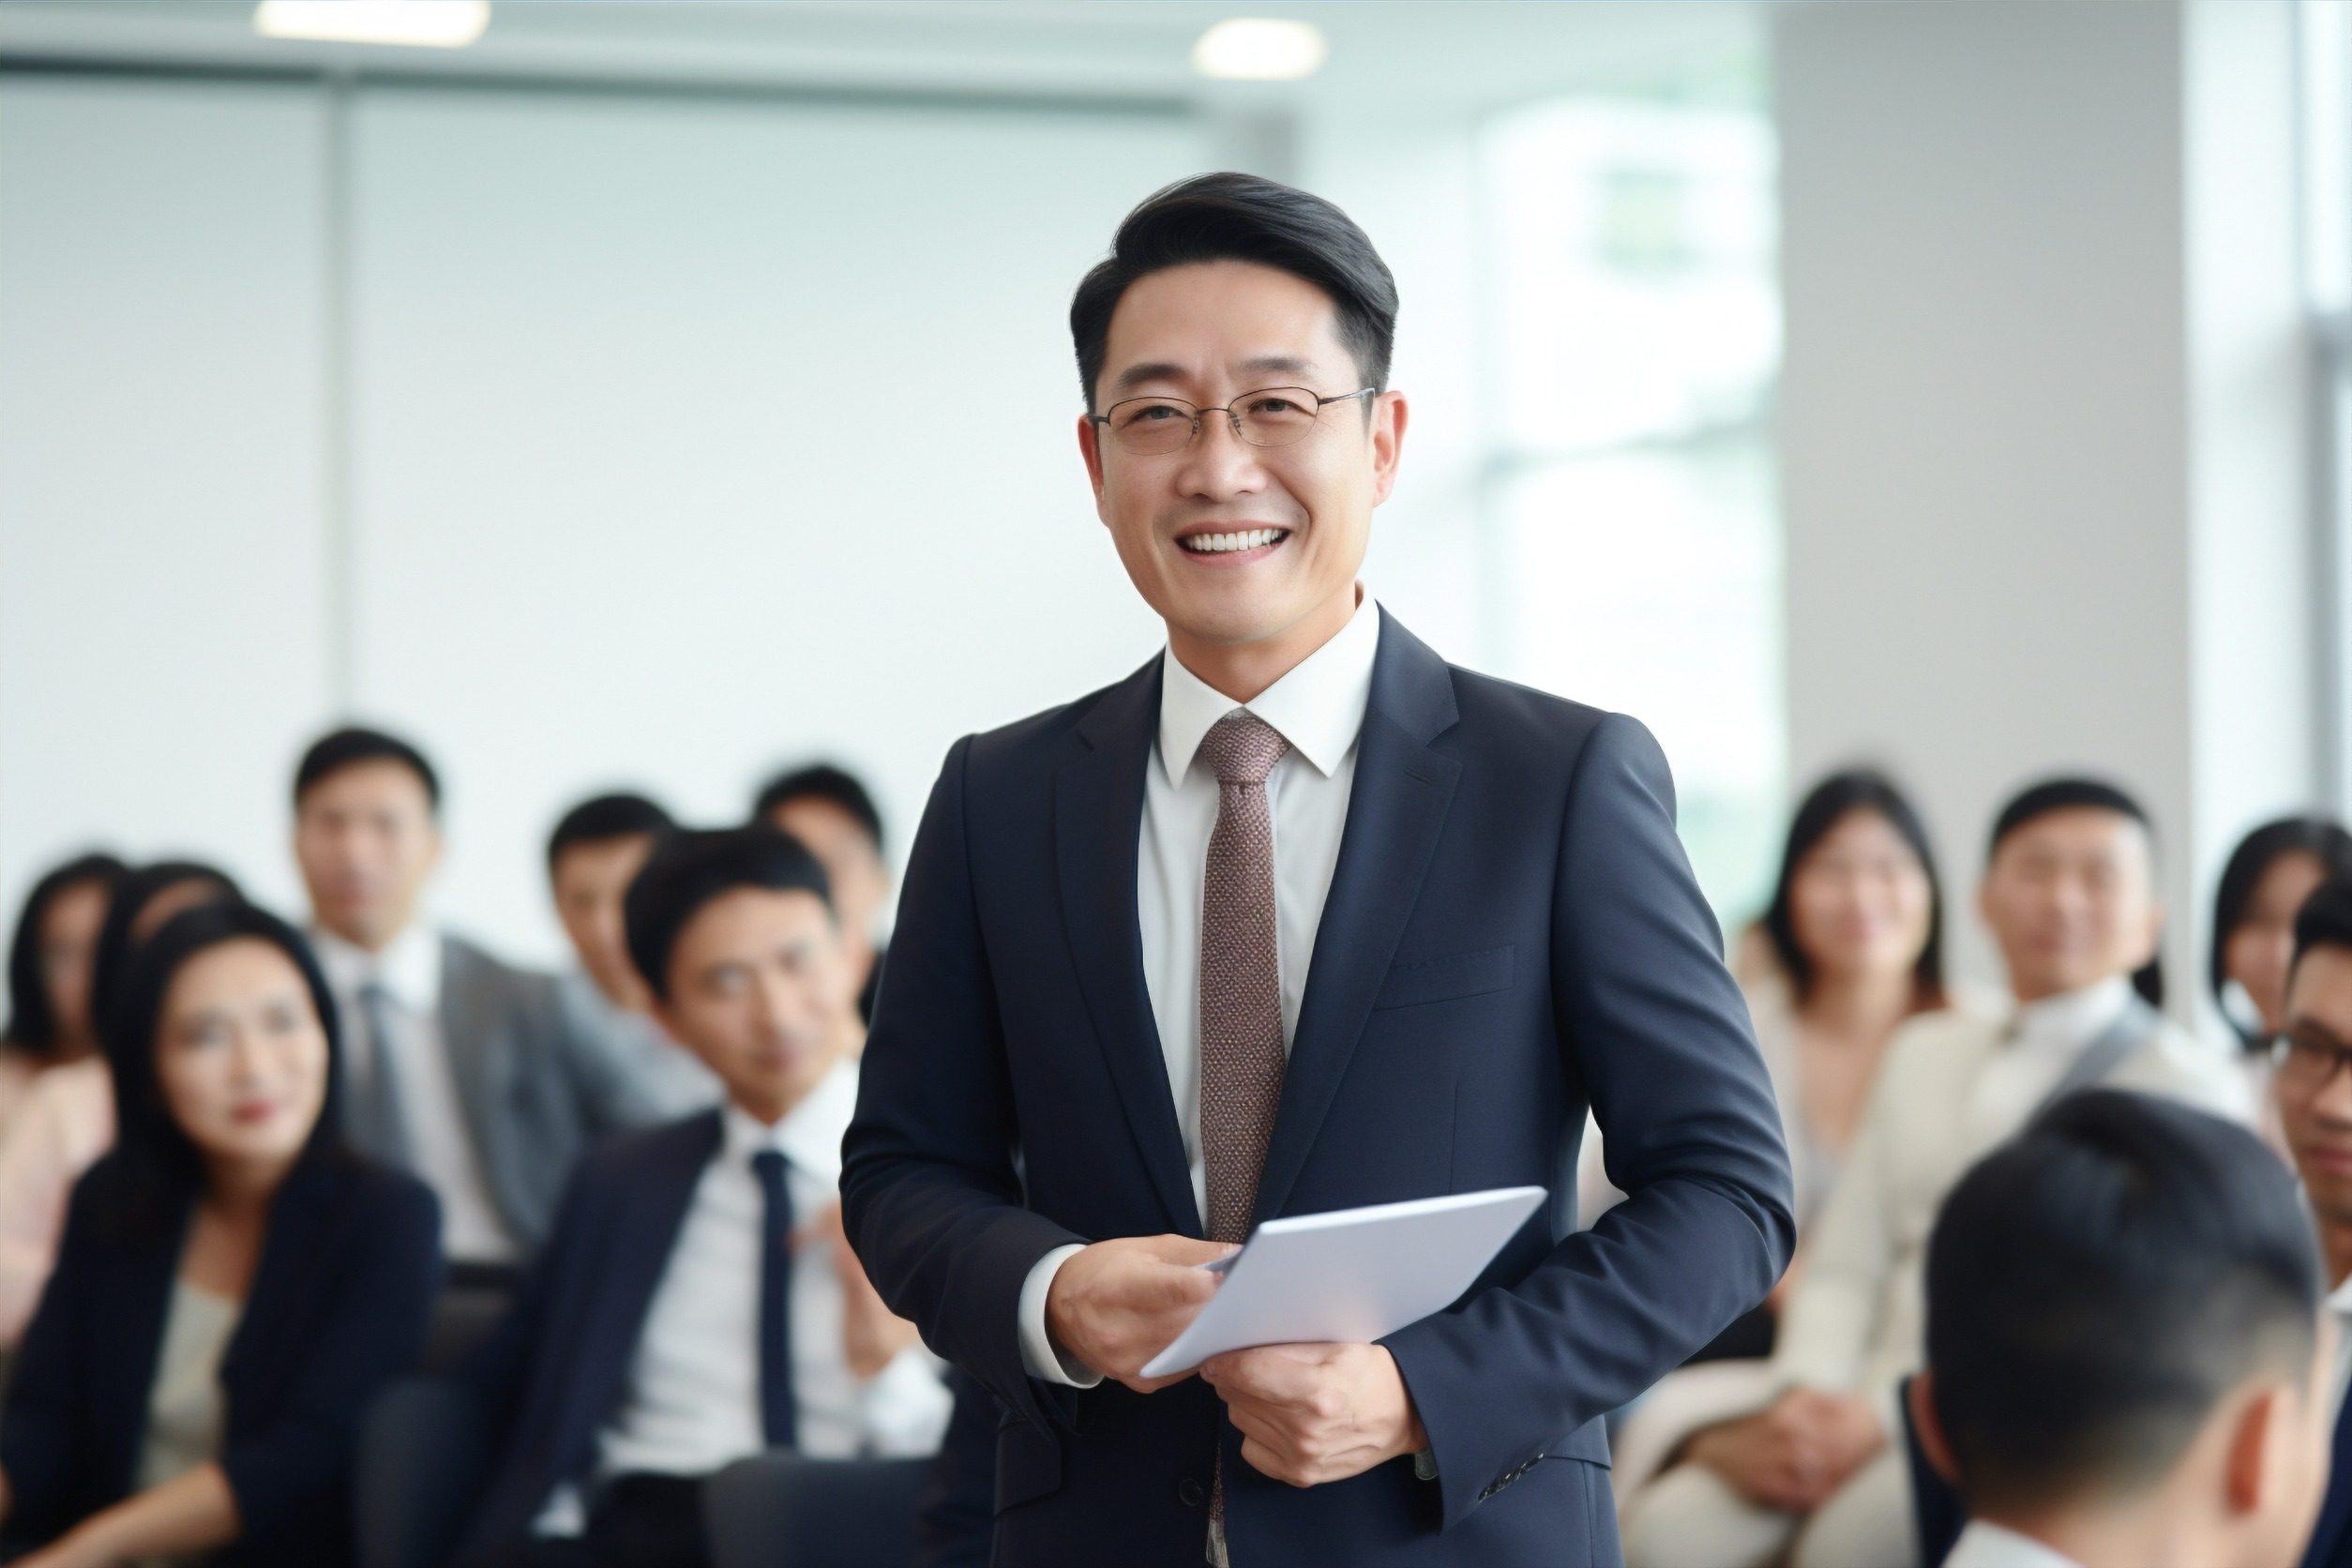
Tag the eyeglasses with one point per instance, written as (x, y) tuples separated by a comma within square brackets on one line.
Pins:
[(1269, 416), (2306, 1063)]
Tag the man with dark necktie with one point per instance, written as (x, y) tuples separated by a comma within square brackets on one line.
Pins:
[(696, 1304), (1296, 917)]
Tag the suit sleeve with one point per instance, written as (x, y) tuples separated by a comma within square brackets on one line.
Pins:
[(1654, 1024), (39, 1443), (373, 1333), (929, 1190)]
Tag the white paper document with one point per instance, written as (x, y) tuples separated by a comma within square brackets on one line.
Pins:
[(1350, 1276)]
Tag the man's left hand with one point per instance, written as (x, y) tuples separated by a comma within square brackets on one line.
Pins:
[(1313, 1413)]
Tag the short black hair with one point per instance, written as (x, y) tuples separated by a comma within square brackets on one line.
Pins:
[(2325, 918), (347, 747), (689, 869), (2319, 837), (825, 781), (2096, 1286), (1830, 803), (155, 1169), (614, 816), (1243, 217), (32, 1021), (2076, 793), (133, 891)]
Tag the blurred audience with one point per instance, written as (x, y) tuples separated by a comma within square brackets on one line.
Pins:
[(2069, 895), (68, 1118), (828, 808), (596, 848), (698, 1303), (463, 1068), (2125, 1363), (49, 976), (232, 1287)]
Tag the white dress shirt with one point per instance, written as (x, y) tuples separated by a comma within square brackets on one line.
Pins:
[(441, 1143), (1950, 1087), (1983, 1545), (1319, 707), (690, 1404)]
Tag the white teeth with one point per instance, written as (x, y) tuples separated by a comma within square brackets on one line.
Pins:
[(1219, 544)]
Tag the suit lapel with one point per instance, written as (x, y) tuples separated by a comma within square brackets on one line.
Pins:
[(644, 1233), (1396, 812), (1098, 820)]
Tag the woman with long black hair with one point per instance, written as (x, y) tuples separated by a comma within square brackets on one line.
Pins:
[(234, 1284)]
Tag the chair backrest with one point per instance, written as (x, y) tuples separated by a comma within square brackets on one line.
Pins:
[(781, 1510), (424, 1452), (463, 1315)]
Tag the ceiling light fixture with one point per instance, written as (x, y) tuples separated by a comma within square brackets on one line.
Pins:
[(427, 23), (1260, 49)]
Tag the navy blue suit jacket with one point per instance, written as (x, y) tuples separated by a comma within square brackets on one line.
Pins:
[(553, 1369), (2332, 1534), (1512, 933), (338, 1308)]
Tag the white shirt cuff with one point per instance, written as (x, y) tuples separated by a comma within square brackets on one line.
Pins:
[(1040, 1356)]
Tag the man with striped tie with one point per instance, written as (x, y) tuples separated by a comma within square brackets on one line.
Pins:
[(696, 1304)]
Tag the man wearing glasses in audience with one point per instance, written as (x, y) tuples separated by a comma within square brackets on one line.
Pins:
[(2313, 1090)]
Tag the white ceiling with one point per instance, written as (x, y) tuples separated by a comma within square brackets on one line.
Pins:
[(1423, 54)]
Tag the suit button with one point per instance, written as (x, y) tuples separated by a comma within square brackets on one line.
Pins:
[(1191, 1493)]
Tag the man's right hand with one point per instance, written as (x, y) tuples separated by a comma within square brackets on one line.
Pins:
[(1793, 1454), (1120, 1303)]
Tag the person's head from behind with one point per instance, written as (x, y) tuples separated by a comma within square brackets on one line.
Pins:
[(50, 959), (366, 833), (734, 934), (224, 1065), (1229, 291), (2070, 890), (2268, 876), (2312, 1087), (592, 855), (1858, 896), (2123, 1332), (145, 897)]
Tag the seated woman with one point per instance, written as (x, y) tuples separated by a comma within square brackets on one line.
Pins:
[(49, 974), (1854, 930), (67, 1118), (234, 1286)]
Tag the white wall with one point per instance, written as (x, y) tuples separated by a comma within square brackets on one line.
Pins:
[(161, 631), (2040, 420), (648, 478)]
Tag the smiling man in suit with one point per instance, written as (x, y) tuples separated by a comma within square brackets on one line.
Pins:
[(1296, 917)]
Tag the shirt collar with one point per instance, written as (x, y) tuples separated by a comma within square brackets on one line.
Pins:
[(1318, 706), (1986, 1545), (809, 1137), (2072, 1017), (408, 966)]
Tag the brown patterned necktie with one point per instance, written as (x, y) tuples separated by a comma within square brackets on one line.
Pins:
[(1241, 986), (1240, 995)]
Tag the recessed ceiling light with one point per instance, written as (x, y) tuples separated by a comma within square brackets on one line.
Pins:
[(1260, 49), (429, 23)]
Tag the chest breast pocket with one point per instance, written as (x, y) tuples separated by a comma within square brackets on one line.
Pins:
[(1447, 979)]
